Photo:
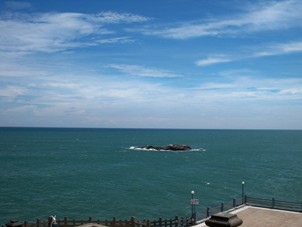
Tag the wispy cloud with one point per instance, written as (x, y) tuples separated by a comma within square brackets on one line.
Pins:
[(98, 99), (271, 16), (280, 49), (268, 50), (116, 40), (141, 71), (275, 15), (110, 17), (212, 60), (247, 88), (51, 32), (12, 91), (18, 70)]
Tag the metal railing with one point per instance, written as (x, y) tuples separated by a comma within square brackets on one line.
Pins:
[(200, 215), (274, 204), (251, 201), (175, 222)]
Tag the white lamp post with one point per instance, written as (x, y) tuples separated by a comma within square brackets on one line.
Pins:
[(192, 206), (242, 188)]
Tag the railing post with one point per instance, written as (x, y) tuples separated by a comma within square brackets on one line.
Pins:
[(160, 222), (187, 222), (49, 221), (221, 207), (208, 212), (166, 223), (114, 222), (273, 202), (65, 221), (181, 222), (154, 223), (176, 220), (234, 203)]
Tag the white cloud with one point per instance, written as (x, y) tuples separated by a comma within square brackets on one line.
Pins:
[(292, 91), (140, 71), (15, 69), (51, 32), (116, 40), (62, 88), (113, 17), (267, 50), (279, 49), (278, 15), (12, 91), (275, 15), (247, 88), (212, 60), (83, 100)]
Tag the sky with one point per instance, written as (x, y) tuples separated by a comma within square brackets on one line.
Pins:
[(221, 64)]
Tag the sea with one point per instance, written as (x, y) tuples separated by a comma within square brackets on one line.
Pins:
[(102, 173)]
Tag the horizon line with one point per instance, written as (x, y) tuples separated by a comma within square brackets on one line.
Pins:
[(146, 128)]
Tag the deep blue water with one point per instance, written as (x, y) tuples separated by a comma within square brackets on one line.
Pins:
[(92, 172)]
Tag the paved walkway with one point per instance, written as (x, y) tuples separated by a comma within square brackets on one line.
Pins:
[(262, 217)]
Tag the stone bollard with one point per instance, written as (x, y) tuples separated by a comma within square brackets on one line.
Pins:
[(224, 220)]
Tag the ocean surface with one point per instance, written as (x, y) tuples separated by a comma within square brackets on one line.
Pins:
[(81, 173)]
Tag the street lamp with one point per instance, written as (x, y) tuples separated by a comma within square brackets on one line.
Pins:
[(192, 206), (242, 188)]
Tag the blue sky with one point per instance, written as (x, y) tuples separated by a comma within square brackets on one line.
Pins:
[(151, 64)]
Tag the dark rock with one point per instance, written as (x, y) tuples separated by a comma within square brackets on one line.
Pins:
[(170, 147)]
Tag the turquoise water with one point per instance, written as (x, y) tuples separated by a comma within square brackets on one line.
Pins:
[(92, 172)]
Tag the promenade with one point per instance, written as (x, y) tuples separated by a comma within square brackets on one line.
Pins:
[(265, 217)]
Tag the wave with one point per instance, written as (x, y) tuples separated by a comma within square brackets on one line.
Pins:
[(152, 149)]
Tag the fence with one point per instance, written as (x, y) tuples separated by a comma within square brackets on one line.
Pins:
[(176, 222), (205, 213), (252, 201), (274, 204), (111, 223)]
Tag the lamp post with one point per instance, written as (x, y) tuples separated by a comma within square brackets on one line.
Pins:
[(242, 188), (192, 206)]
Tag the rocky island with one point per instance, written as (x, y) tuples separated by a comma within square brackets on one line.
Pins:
[(170, 147)]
